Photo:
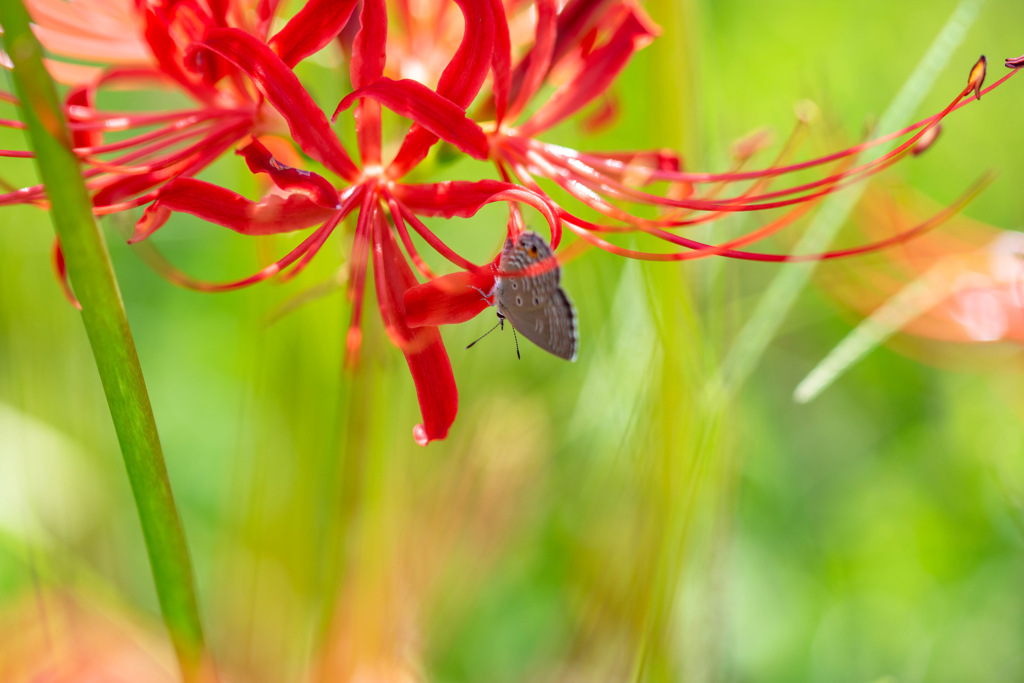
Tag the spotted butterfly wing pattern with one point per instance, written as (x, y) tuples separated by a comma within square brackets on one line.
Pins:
[(535, 303)]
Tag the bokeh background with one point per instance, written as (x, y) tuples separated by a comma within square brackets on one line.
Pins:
[(619, 518)]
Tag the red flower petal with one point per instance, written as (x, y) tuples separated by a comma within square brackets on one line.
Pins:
[(82, 97), (311, 29), (423, 348), (450, 198), (461, 79), (272, 215), (265, 11), (369, 53), (308, 125), (449, 299), (576, 19), (167, 53), (424, 106), (537, 63), (596, 72), (293, 180), (435, 388), (501, 60), (602, 116), (464, 198), (174, 25)]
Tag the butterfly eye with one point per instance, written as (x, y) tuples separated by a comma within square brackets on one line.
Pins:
[(533, 251)]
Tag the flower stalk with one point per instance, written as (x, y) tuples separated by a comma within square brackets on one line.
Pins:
[(88, 266)]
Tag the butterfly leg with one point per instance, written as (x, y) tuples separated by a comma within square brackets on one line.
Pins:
[(486, 297)]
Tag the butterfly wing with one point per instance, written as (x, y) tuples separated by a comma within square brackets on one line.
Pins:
[(536, 305), (552, 326)]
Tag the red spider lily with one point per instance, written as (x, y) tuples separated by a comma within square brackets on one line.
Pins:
[(583, 46), (144, 44), (615, 184), (965, 284), (386, 209), (955, 297), (219, 53), (125, 173)]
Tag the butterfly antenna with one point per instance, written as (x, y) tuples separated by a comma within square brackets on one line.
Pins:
[(517, 340), (468, 346)]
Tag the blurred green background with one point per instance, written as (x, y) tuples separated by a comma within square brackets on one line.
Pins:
[(614, 519)]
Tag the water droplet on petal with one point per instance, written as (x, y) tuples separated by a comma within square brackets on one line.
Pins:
[(419, 433)]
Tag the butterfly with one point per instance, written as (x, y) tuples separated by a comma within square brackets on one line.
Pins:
[(534, 303)]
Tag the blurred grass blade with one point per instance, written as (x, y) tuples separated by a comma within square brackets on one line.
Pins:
[(621, 370), (106, 324), (895, 313), (784, 289), (890, 318)]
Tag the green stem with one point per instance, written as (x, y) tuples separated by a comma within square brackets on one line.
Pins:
[(109, 335)]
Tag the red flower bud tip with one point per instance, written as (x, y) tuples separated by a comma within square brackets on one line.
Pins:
[(977, 77)]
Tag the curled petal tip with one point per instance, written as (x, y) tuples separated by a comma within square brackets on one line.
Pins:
[(977, 77), (152, 218), (317, 188), (345, 103), (1015, 62)]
